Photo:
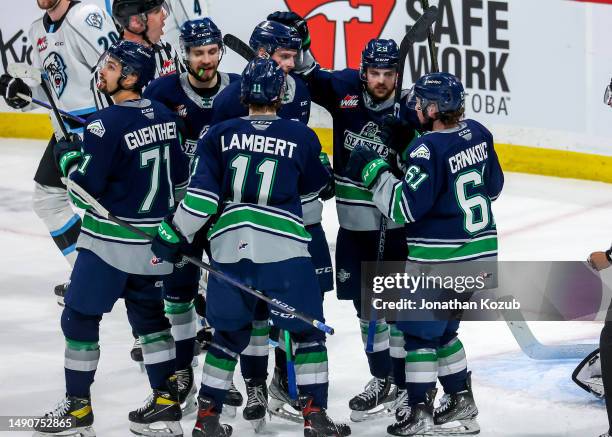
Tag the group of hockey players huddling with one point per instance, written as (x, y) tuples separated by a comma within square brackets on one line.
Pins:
[(223, 165)]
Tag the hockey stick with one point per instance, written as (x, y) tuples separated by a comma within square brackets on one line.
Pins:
[(64, 114), (39, 76), (25, 71), (239, 46), (433, 52), (291, 379), (416, 33), (535, 350), (73, 186)]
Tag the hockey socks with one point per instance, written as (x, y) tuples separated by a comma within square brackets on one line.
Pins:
[(421, 373), (311, 370), (182, 317), (398, 356), (254, 358), (158, 353), (379, 359), (80, 364), (452, 366), (217, 374)]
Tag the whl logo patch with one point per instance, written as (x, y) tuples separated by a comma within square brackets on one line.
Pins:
[(41, 44), (96, 127), (421, 152), (167, 68), (349, 101), (341, 29)]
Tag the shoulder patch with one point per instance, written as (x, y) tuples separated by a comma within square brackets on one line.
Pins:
[(94, 20), (421, 152), (96, 127)]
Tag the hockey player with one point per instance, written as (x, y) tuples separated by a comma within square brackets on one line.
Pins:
[(190, 95), (130, 159), (444, 200), (67, 42), (359, 102), (282, 43), (251, 172)]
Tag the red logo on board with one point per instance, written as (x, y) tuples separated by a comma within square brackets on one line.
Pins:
[(341, 29)]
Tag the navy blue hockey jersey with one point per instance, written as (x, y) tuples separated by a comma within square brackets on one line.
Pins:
[(445, 197), (357, 119), (176, 93), (132, 163), (252, 171)]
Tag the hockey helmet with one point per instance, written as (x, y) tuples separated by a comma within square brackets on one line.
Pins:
[(379, 53), (263, 82), (124, 9), (443, 89), (135, 59), (272, 35)]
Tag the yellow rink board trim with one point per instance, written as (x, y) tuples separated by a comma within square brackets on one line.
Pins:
[(522, 159)]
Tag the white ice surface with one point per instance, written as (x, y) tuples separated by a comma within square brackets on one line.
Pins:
[(539, 218)]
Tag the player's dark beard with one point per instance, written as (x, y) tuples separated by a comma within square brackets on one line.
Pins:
[(49, 8), (378, 97)]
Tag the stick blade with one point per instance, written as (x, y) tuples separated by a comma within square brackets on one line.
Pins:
[(24, 71), (239, 46), (418, 31)]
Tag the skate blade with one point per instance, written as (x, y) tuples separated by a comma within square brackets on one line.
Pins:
[(156, 429), (384, 410), (259, 425), (278, 408), (228, 411), (86, 431), (60, 301), (458, 427)]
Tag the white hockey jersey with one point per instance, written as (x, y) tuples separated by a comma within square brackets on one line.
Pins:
[(68, 50)]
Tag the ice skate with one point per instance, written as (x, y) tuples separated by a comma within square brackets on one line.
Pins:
[(318, 424), (418, 421), (233, 400), (136, 354), (161, 414), (207, 423), (257, 404), (281, 405), (378, 399), (60, 292), (457, 413), (71, 417), (186, 391)]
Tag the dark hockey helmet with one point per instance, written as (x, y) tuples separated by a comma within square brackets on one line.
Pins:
[(271, 35), (443, 89), (200, 32), (124, 9), (262, 83), (135, 59), (379, 53)]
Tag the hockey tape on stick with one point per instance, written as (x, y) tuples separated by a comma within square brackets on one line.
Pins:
[(433, 52), (239, 46), (73, 186), (46, 105)]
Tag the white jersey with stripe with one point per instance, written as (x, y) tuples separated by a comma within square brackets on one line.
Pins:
[(68, 51)]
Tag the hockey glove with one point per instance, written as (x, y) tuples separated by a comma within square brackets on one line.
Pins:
[(329, 190), (10, 87), (294, 20), (168, 242), (396, 133), (68, 153), (365, 165)]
